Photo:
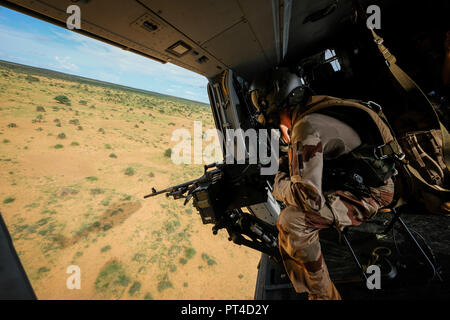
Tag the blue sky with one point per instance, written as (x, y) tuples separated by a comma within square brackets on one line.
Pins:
[(33, 42)]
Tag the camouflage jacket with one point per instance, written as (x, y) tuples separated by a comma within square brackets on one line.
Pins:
[(314, 138)]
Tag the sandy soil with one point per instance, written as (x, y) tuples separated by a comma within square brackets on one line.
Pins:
[(74, 205)]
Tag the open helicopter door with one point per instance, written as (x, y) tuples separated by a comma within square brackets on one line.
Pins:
[(229, 111)]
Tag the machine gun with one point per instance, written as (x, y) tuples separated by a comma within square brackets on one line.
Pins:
[(179, 191), (221, 196)]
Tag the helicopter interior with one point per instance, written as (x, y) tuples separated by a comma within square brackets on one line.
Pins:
[(326, 42)]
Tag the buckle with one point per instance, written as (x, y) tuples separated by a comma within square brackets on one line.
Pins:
[(374, 106), (379, 154), (378, 40), (400, 156)]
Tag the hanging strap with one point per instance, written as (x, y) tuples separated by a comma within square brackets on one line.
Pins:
[(414, 91)]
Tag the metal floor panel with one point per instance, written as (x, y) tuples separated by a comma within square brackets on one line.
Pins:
[(413, 279)]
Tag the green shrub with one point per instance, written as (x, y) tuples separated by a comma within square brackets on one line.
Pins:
[(111, 278), (39, 118), (58, 146), (190, 253), (105, 248), (61, 135), (31, 79), (139, 257), (164, 284), (63, 100), (40, 109), (12, 125), (172, 268), (9, 200), (97, 191), (68, 192), (168, 153), (170, 226), (91, 178), (148, 296), (210, 261), (74, 144), (101, 130), (83, 102), (112, 155), (129, 171), (126, 198), (135, 287), (43, 270)]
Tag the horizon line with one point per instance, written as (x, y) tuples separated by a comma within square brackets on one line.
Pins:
[(105, 82)]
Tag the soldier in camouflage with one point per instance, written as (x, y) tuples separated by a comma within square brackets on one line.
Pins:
[(313, 139)]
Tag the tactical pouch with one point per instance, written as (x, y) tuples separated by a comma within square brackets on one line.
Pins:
[(358, 171), (424, 152), (426, 176), (374, 170)]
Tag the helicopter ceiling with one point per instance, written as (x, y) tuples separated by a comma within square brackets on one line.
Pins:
[(204, 36)]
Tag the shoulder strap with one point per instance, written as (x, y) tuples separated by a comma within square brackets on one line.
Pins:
[(388, 145)]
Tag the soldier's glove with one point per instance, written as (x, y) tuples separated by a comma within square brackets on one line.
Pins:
[(283, 164)]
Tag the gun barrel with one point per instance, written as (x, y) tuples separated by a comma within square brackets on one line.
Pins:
[(212, 174), (154, 193), (171, 189)]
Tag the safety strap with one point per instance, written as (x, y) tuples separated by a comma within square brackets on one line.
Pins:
[(414, 91)]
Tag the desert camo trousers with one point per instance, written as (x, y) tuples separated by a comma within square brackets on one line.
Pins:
[(299, 235)]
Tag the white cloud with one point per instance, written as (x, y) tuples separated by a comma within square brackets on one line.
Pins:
[(64, 63)]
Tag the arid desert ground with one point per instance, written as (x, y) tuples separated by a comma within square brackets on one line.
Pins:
[(76, 159)]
